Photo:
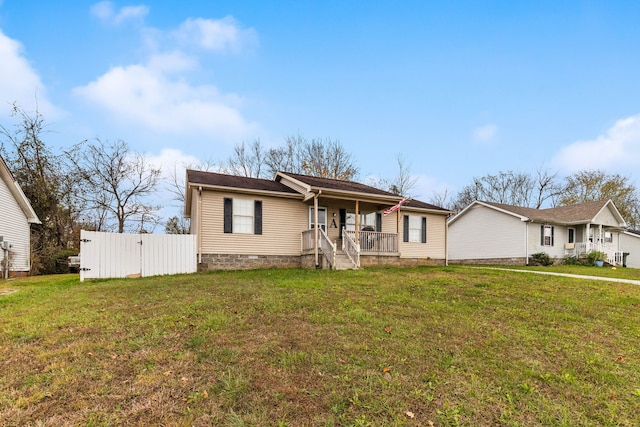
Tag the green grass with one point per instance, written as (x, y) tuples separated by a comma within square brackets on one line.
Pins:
[(400, 347)]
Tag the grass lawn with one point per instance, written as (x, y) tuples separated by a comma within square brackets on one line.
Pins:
[(442, 346)]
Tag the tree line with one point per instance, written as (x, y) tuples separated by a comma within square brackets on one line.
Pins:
[(105, 186)]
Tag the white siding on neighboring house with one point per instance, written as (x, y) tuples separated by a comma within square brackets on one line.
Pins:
[(606, 217), (560, 237), (630, 243), (283, 221), (15, 229), (484, 233)]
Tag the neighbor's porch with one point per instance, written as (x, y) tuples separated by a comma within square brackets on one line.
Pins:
[(595, 237)]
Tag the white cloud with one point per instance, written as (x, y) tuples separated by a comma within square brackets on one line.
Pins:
[(485, 133), (141, 94), (105, 12), (214, 34), (20, 83), (618, 148)]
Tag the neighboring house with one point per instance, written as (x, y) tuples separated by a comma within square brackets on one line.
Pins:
[(16, 215), (630, 242), (252, 223), (494, 233)]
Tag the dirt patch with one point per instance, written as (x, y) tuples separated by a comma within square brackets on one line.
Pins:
[(7, 291)]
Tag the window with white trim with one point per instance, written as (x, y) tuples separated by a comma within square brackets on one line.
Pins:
[(608, 236), (322, 218), (547, 235), (365, 220), (242, 216), (415, 229)]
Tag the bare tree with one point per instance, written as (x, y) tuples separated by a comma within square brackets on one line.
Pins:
[(117, 183), (592, 185), (47, 181), (404, 182), (177, 184), (511, 188), (288, 158), (246, 160), (441, 199)]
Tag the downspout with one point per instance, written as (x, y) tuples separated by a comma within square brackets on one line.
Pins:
[(526, 243), (446, 240), (199, 224)]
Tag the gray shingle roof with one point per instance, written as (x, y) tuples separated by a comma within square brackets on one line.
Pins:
[(583, 212), (233, 181)]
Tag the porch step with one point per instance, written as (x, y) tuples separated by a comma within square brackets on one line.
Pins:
[(343, 262)]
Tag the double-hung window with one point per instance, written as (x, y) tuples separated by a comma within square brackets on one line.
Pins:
[(546, 235), (415, 229), (243, 216)]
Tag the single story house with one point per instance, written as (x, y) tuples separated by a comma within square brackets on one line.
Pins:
[(16, 217), (494, 233), (630, 242), (303, 221)]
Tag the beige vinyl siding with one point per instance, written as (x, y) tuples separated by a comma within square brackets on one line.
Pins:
[(435, 247), (484, 233), (630, 243), (193, 223), (15, 229), (283, 221)]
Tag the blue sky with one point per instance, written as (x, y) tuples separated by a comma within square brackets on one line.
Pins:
[(460, 89)]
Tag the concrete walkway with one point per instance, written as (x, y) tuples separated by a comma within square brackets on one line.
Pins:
[(575, 276)]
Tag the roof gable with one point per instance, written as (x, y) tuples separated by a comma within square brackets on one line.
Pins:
[(581, 213)]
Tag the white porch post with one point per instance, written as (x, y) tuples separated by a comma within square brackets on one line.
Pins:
[(357, 221), (600, 235), (586, 240)]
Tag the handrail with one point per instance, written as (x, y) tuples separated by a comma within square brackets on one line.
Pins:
[(328, 248), (613, 257), (350, 247)]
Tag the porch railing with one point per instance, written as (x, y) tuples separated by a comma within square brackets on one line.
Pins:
[(328, 248), (324, 244), (351, 248), (373, 241), (307, 240), (613, 257)]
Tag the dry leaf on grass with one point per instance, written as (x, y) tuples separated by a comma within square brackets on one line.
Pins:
[(387, 329), (410, 414)]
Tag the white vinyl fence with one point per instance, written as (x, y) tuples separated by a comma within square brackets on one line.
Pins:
[(109, 255)]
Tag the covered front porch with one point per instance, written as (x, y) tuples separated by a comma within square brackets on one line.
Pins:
[(596, 237), (348, 230), (351, 246)]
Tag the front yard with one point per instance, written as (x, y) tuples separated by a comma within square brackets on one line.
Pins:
[(440, 346)]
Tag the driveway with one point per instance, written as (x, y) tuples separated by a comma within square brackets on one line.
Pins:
[(575, 276)]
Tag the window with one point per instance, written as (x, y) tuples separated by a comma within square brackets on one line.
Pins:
[(242, 216), (546, 235), (608, 236), (415, 229), (571, 232), (369, 220), (322, 218)]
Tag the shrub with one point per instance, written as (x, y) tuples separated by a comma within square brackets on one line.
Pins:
[(594, 256), (541, 258), (573, 260)]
